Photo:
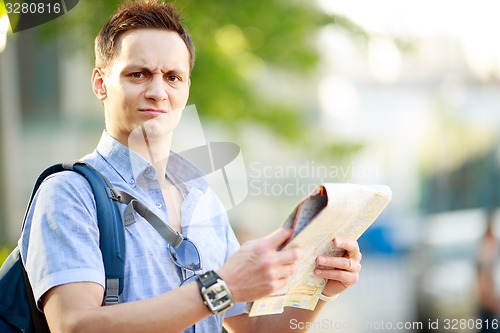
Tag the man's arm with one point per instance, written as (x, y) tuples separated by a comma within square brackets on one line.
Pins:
[(255, 271), (76, 307), (342, 273)]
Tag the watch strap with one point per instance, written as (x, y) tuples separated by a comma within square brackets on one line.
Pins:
[(207, 279)]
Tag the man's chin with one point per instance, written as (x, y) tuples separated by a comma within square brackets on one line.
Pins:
[(153, 129)]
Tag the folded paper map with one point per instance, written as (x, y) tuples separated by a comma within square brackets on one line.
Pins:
[(334, 210)]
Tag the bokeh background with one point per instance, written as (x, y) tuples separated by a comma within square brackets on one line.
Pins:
[(401, 93)]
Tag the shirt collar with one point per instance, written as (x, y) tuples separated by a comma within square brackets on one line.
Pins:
[(130, 166)]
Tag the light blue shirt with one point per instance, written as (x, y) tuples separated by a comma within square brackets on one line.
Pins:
[(60, 242)]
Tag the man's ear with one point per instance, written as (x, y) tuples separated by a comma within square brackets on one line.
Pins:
[(98, 85)]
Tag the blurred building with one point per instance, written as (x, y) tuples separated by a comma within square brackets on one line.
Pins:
[(48, 114), (423, 94)]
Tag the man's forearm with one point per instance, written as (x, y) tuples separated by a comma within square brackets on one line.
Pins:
[(172, 312)]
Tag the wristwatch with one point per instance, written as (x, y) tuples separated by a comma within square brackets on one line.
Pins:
[(215, 293)]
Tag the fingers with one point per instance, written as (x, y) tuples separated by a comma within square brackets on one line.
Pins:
[(342, 263), (346, 264), (276, 238), (351, 261), (284, 271), (257, 269), (351, 247), (269, 244), (342, 277), (341, 272)]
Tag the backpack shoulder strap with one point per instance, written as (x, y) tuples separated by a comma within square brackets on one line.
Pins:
[(109, 220)]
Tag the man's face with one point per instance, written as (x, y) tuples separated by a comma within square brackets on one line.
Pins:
[(146, 84)]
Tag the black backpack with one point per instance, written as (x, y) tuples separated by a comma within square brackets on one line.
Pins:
[(18, 312)]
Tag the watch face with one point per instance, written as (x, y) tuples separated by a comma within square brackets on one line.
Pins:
[(218, 297)]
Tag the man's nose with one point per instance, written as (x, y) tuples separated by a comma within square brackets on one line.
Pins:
[(157, 89)]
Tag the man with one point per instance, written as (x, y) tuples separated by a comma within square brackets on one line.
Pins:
[(144, 57)]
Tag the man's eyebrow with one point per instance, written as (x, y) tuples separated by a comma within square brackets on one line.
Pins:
[(141, 68)]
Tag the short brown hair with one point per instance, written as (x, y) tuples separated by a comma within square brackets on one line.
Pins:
[(147, 14)]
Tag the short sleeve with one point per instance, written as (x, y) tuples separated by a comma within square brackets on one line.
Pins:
[(60, 241)]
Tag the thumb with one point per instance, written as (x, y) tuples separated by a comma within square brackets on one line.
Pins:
[(277, 237)]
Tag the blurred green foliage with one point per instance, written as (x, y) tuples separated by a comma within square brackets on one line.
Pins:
[(236, 41), (4, 253)]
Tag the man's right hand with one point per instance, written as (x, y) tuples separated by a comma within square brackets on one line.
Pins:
[(258, 269)]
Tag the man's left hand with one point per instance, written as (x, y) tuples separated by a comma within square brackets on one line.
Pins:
[(341, 272)]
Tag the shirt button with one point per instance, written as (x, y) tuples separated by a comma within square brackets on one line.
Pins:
[(159, 205), (131, 182)]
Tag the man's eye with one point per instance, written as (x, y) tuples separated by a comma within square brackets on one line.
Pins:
[(173, 78), (137, 75)]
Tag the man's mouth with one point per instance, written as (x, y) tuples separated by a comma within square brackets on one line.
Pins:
[(153, 112)]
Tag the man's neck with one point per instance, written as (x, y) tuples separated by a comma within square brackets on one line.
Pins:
[(155, 151)]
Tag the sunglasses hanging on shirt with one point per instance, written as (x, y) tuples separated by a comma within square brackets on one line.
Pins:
[(182, 250)]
